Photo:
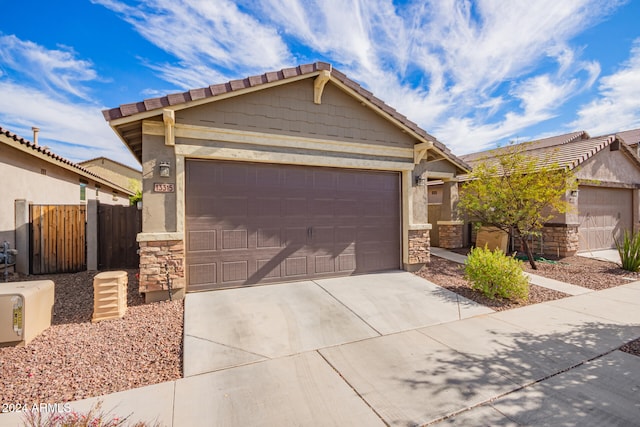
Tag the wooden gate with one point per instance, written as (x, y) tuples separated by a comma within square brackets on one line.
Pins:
[(118, 227), (57, 238)]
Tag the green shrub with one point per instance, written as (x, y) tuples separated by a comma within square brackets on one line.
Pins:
[(629, 251), (496, 275)]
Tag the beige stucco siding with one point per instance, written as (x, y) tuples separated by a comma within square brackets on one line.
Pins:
[(24, 179), (609, 167), (290, 110), (118, 174), (158, 209)]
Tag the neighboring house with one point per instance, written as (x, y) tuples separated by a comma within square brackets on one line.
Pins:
[(286, 176), (607, 201), (118, 173), (32, 174)]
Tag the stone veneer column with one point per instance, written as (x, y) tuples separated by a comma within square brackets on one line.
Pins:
[(155, 258), (450, 234), (419, 249), (560, 240)]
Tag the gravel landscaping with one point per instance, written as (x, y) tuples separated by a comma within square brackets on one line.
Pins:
[(450, 275), (76, 359), (580, 271)]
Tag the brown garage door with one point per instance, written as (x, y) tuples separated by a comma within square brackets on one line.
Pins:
[(604, 213), (253, 223)]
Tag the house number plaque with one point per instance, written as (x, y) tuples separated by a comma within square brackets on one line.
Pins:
[(161, 187)]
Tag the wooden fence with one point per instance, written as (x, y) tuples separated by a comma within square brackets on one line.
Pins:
[(58, 238), (118, 227)]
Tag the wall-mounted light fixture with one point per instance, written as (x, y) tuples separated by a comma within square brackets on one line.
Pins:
[(165, 169), (420, 181), (574, 193)]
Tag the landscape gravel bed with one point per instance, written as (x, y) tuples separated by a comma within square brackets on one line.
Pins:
[(76, 359), (450, 275), (590, 273), (581, 271)]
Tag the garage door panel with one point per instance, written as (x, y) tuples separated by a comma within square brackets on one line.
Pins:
[(203, 274), (266, 207), (268, 269), (269, 237), (324, 264), (346, 263), (261, 223), (296, 207), (604, 213), (201, 240), (235, 239), (295, 266), (234, 271)]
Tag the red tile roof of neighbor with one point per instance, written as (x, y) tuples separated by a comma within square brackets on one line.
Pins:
[(126, 110), (44, 151)]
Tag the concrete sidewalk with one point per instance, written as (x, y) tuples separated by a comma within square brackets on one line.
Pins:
[(535, 279), (552, 363)]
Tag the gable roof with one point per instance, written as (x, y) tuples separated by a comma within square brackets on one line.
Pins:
[(552, 141), (11, 139), (630, 137), (91, 161), (123, 116), (568, 151)]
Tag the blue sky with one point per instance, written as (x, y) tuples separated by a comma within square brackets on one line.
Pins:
[(472, 73)]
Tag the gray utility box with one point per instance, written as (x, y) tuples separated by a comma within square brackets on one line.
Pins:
[(26, 309)]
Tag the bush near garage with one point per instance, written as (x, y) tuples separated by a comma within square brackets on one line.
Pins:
[(496, 275), (629, 250)]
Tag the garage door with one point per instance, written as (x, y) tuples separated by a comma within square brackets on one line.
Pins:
[(604, 213), (252, 223)]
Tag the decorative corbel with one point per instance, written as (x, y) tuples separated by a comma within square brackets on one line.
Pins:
[(420, 151), (318, 85), (169, 118)]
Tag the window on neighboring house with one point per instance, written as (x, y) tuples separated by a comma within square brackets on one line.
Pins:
[(83, 191)]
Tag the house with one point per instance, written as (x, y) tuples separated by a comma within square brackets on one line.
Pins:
[(285, 176), (607, 202), (116, 172), (34, 175)]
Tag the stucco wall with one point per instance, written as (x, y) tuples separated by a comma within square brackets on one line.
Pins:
[(23, 179), (609, 166), (290, 110), (158, 209)]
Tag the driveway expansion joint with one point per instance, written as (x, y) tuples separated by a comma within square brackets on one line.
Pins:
[(348, 308), (228, 346)]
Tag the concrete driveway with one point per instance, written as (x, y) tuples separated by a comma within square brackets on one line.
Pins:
[(238, 326)]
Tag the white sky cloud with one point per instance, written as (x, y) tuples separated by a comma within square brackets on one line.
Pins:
[(470, 73), (56, 69), (71, 130), (204, 37), (618, 106)]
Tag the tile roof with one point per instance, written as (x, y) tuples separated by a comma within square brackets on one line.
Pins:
[(38, 150), (568, 151), (630, 137), (128, 110), (529, 145)]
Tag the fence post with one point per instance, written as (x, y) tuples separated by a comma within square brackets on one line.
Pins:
[(22, 236), (92, 235)]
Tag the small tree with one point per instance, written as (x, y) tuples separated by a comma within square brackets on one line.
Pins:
[(516, 192)]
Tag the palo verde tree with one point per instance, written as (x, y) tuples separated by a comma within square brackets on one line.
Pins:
[(517, 193)]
